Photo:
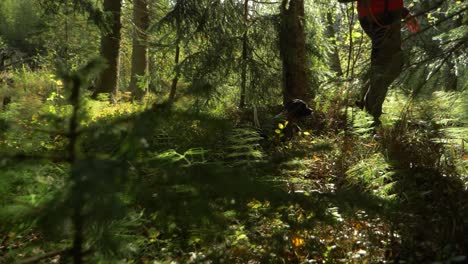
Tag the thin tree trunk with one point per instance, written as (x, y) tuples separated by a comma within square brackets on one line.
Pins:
[(351, 41), (151, 69), (175, 80), (450, 77), (6, 100), (139, 49), (110, 46), (293, 51), (244, 56), (77, 217), (335, 64)]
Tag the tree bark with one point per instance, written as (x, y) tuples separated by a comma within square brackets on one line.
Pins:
[(293, 50), (110, 46), (6, 100), (140, 48), (335, 64), (77, 217), (244, 56), (175, 80)]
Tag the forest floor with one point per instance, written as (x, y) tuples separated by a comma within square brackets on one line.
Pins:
[(207, 188)]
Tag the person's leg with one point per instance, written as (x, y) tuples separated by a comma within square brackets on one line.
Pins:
[(386, 62), (368, 26)]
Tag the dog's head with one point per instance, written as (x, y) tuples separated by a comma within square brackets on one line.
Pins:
[(297, 108)]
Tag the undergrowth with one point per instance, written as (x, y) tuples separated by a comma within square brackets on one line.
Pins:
[(200, 186)]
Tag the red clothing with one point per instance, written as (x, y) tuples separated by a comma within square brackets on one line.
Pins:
[(377, 7)]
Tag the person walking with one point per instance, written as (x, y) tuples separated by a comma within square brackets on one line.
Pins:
[(381, 21)]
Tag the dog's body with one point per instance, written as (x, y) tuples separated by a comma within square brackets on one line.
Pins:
[(284, 124)]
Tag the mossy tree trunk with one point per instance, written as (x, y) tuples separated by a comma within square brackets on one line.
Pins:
[(139, 49), (335, 64), (175, 80), (244, 56), (110, 46), (293, 50)]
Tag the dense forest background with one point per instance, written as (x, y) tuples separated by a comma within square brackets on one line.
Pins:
[(142, 131)]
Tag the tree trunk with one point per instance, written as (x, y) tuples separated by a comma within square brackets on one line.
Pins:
[(110, 46), (6, 100), (175, 80), (451, 77), (293, 50), (335, 64), (140, 48), (244, 56)]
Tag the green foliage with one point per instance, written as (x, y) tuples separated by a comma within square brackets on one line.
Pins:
[(19, 22), (373, 174), (362, 123), (244, 147), (437, 54), (192, 182)]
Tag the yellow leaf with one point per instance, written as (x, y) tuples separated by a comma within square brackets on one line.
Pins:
[(297, 241), (153, 234), (281, 126), (242, 237), (306, 133), (358, 226), (277, 131), (254, 204)]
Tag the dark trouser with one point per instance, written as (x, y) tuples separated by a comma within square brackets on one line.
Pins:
[(386, 58)]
